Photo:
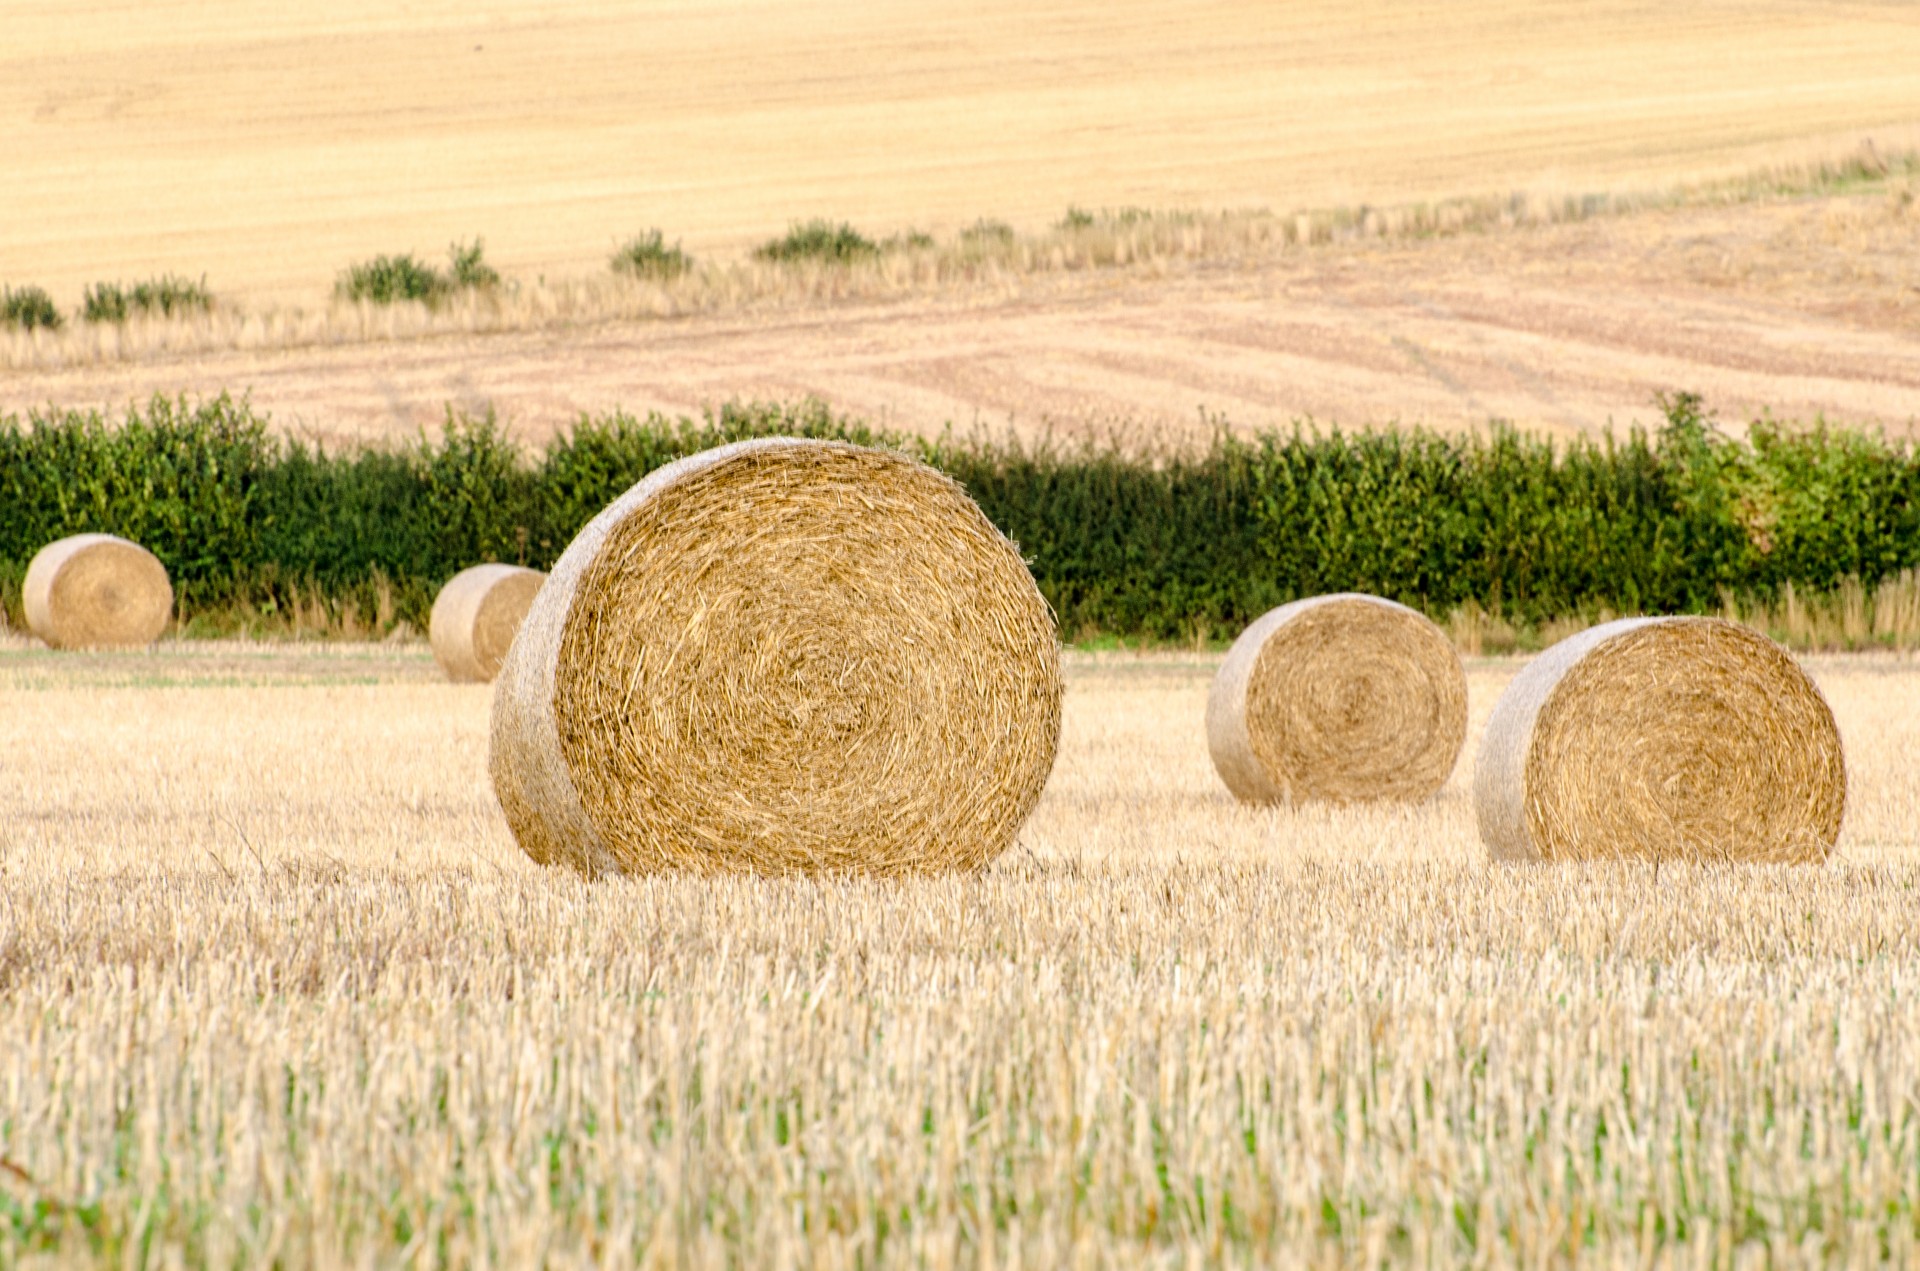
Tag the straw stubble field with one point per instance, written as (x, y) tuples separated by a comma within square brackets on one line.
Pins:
[(276, 984)]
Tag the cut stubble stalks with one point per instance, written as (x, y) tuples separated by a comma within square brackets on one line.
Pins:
[(1343, 699), (780, 656), (475, 617), (96, 591), (1687, 739)]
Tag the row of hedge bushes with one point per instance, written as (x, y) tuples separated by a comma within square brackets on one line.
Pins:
[(1175, 546)]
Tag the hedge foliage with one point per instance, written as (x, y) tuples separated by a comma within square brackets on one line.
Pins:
[(1171, 547)]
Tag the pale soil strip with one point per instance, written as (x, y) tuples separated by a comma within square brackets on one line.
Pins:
[(1797, 309)]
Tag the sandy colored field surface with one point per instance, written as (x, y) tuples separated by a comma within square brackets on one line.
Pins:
[(266, 145), (1798, 308), (276, 985)]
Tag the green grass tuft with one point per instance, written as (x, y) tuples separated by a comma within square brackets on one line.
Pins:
[(819, 240), (27, 308), (648, 256), (113, 302), (386, 280)]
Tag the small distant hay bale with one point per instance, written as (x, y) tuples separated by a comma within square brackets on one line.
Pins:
[(475, 617), (1344, 699), (1687, 739), (96, 591), (781, 655)]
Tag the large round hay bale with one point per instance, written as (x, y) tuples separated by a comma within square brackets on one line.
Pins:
[(475, 617), (1344, 698), (1664, 738), (96, 591), (780, 655)]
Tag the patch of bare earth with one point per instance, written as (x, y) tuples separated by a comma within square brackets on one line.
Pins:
[(1800, 309)]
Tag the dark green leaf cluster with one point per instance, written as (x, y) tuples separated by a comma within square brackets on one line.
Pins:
[(28, 307), (116, 302), (1180, 546)]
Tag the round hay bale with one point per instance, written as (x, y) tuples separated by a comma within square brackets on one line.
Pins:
[(780, 655), (1343, 698), (96, 591), (475, 617), (1689, 739)]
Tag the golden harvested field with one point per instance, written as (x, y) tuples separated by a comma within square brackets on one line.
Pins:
[(276, 986), (268, 144)]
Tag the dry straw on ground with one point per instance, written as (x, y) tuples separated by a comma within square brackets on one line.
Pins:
[(1680, 738), (96, 591), (780, 655), (1341, 698), (475, 617)]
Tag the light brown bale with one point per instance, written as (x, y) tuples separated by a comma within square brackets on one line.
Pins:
[(475, 617), (1665, 738), (96, 591), (780, 655), (1344, 698)]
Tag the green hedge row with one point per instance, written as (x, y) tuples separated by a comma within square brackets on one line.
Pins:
[(1172, 547)]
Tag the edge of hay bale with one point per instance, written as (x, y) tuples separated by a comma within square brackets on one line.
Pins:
[(43, 576), (1230, 740), (1500, 793), (530, 774), (454, 625)]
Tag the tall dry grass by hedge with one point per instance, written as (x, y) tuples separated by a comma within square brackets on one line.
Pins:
[(1502, 535)]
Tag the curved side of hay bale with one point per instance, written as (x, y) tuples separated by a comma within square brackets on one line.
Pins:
[(780, 655), (1343, 698), (475, 617), (96, 591), (1661, 738)]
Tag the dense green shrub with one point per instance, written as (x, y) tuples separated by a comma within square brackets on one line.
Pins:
[(1180, 546), (819, 240), (648, 256), (28, 307), (115, 302)]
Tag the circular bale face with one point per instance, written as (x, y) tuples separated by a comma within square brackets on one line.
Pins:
[(781, 656), (476, 616), (96, 591), (1343, 699), (1689, 739)]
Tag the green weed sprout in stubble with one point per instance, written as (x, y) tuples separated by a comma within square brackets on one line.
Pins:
[(165, 296), (27, 308), (386, 280), (648, 256)]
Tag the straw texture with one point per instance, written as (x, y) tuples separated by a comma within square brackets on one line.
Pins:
[(96, 591), (780, 655), (475, 617), (1667, 738), (1345, 698)]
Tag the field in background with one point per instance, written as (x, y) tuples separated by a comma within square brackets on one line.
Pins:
[(276, 984), (267, 146)]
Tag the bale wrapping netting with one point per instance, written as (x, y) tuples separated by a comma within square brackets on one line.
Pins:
[(96, 591), (1664, 738), (1344, 698), (475, 617), (780, 655)]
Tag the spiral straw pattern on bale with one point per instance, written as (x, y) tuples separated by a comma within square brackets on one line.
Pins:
[(1689, 739), (780, 655), (1344, 698), (475, 617), (96, 591)]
